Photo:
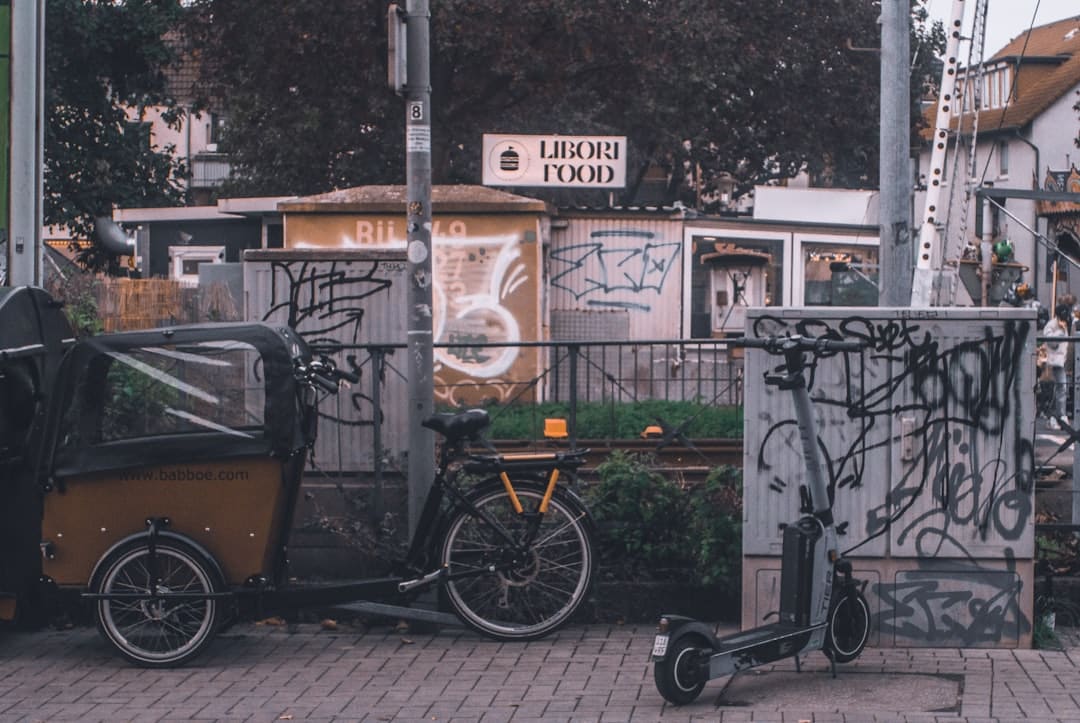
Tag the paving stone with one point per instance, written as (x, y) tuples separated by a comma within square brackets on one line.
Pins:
[(582, 673)]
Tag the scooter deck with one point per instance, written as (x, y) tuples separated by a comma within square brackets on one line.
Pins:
[(759, 646)]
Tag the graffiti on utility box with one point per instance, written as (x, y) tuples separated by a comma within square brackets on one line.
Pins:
[(926, 444)]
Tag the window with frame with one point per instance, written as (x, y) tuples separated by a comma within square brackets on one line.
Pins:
[(139, 133), (840, 275)]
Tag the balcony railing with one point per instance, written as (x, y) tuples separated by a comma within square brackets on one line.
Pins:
[(209, 170)]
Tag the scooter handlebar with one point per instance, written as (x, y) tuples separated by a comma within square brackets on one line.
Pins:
[(780, 344)]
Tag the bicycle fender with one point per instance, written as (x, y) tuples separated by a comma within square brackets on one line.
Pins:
[(680, 626), (164, 534)]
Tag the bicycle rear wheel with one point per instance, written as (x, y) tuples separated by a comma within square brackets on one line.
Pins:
[(514, 596)]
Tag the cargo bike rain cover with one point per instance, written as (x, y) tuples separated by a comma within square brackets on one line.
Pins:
[(174, 395), (197, 426)]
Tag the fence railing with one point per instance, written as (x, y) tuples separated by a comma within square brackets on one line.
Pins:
[(602, 390)]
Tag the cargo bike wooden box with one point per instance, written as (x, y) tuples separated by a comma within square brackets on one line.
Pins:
[(164, 468)]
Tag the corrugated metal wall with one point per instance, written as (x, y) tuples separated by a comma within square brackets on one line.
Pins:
[(344, 297), (927, 435), (633, 265), (927, 439)]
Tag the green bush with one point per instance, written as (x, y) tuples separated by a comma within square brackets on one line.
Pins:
[(78, 294), (715, 528), (607, 420), (654, 528)]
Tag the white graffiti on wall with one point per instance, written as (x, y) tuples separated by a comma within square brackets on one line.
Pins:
[(474, 278)]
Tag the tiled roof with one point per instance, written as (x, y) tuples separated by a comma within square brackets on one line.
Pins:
[(183, 80), (1049, 68)]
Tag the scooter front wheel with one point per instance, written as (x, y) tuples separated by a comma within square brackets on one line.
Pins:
[(679, 676), (849, 626)]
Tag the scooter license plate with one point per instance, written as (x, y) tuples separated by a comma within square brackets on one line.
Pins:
[(659, 646)]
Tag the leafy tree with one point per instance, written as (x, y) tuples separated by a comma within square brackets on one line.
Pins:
[(102, 56), (304, 88), (757, 90)]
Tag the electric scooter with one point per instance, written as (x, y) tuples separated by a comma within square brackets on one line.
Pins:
[(822, 606)]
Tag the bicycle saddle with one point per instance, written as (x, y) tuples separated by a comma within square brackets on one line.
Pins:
[(463, 425)]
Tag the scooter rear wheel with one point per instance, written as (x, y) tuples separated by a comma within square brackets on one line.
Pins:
[(849, 626), (678, 676)]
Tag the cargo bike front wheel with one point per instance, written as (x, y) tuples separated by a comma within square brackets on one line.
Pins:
[(159, 607)]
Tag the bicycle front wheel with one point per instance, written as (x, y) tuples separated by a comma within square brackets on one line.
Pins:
[(158, 633), (508, 594)]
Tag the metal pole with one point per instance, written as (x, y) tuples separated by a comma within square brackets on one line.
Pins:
[(418, 237), (377, 362), (894, 172), (26, 150), (985, 251), (575, 353), (929, 239), (1073, 416)]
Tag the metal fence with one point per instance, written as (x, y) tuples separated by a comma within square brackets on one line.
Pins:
[(365, 428)]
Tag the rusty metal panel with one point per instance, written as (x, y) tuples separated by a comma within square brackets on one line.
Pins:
[(633, 265), (342, 298)]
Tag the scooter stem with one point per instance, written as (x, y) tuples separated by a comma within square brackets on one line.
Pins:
[(815, 478)]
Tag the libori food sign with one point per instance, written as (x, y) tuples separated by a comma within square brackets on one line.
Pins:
[(572, 161)]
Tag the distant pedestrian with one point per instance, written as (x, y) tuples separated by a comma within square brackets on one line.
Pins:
[(1070, 301), (1055, 359)]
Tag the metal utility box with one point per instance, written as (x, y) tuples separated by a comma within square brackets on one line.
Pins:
[(927, 439)]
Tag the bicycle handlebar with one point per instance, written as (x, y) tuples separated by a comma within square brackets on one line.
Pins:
[(324, 373), (325, 382), (349, 376), (781, 344)]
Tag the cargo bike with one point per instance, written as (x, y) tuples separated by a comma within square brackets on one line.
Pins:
[(157, 474)]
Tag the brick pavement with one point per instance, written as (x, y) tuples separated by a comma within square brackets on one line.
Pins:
[(584, 673)]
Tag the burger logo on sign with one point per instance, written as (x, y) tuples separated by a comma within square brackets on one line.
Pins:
[(508, 160)]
